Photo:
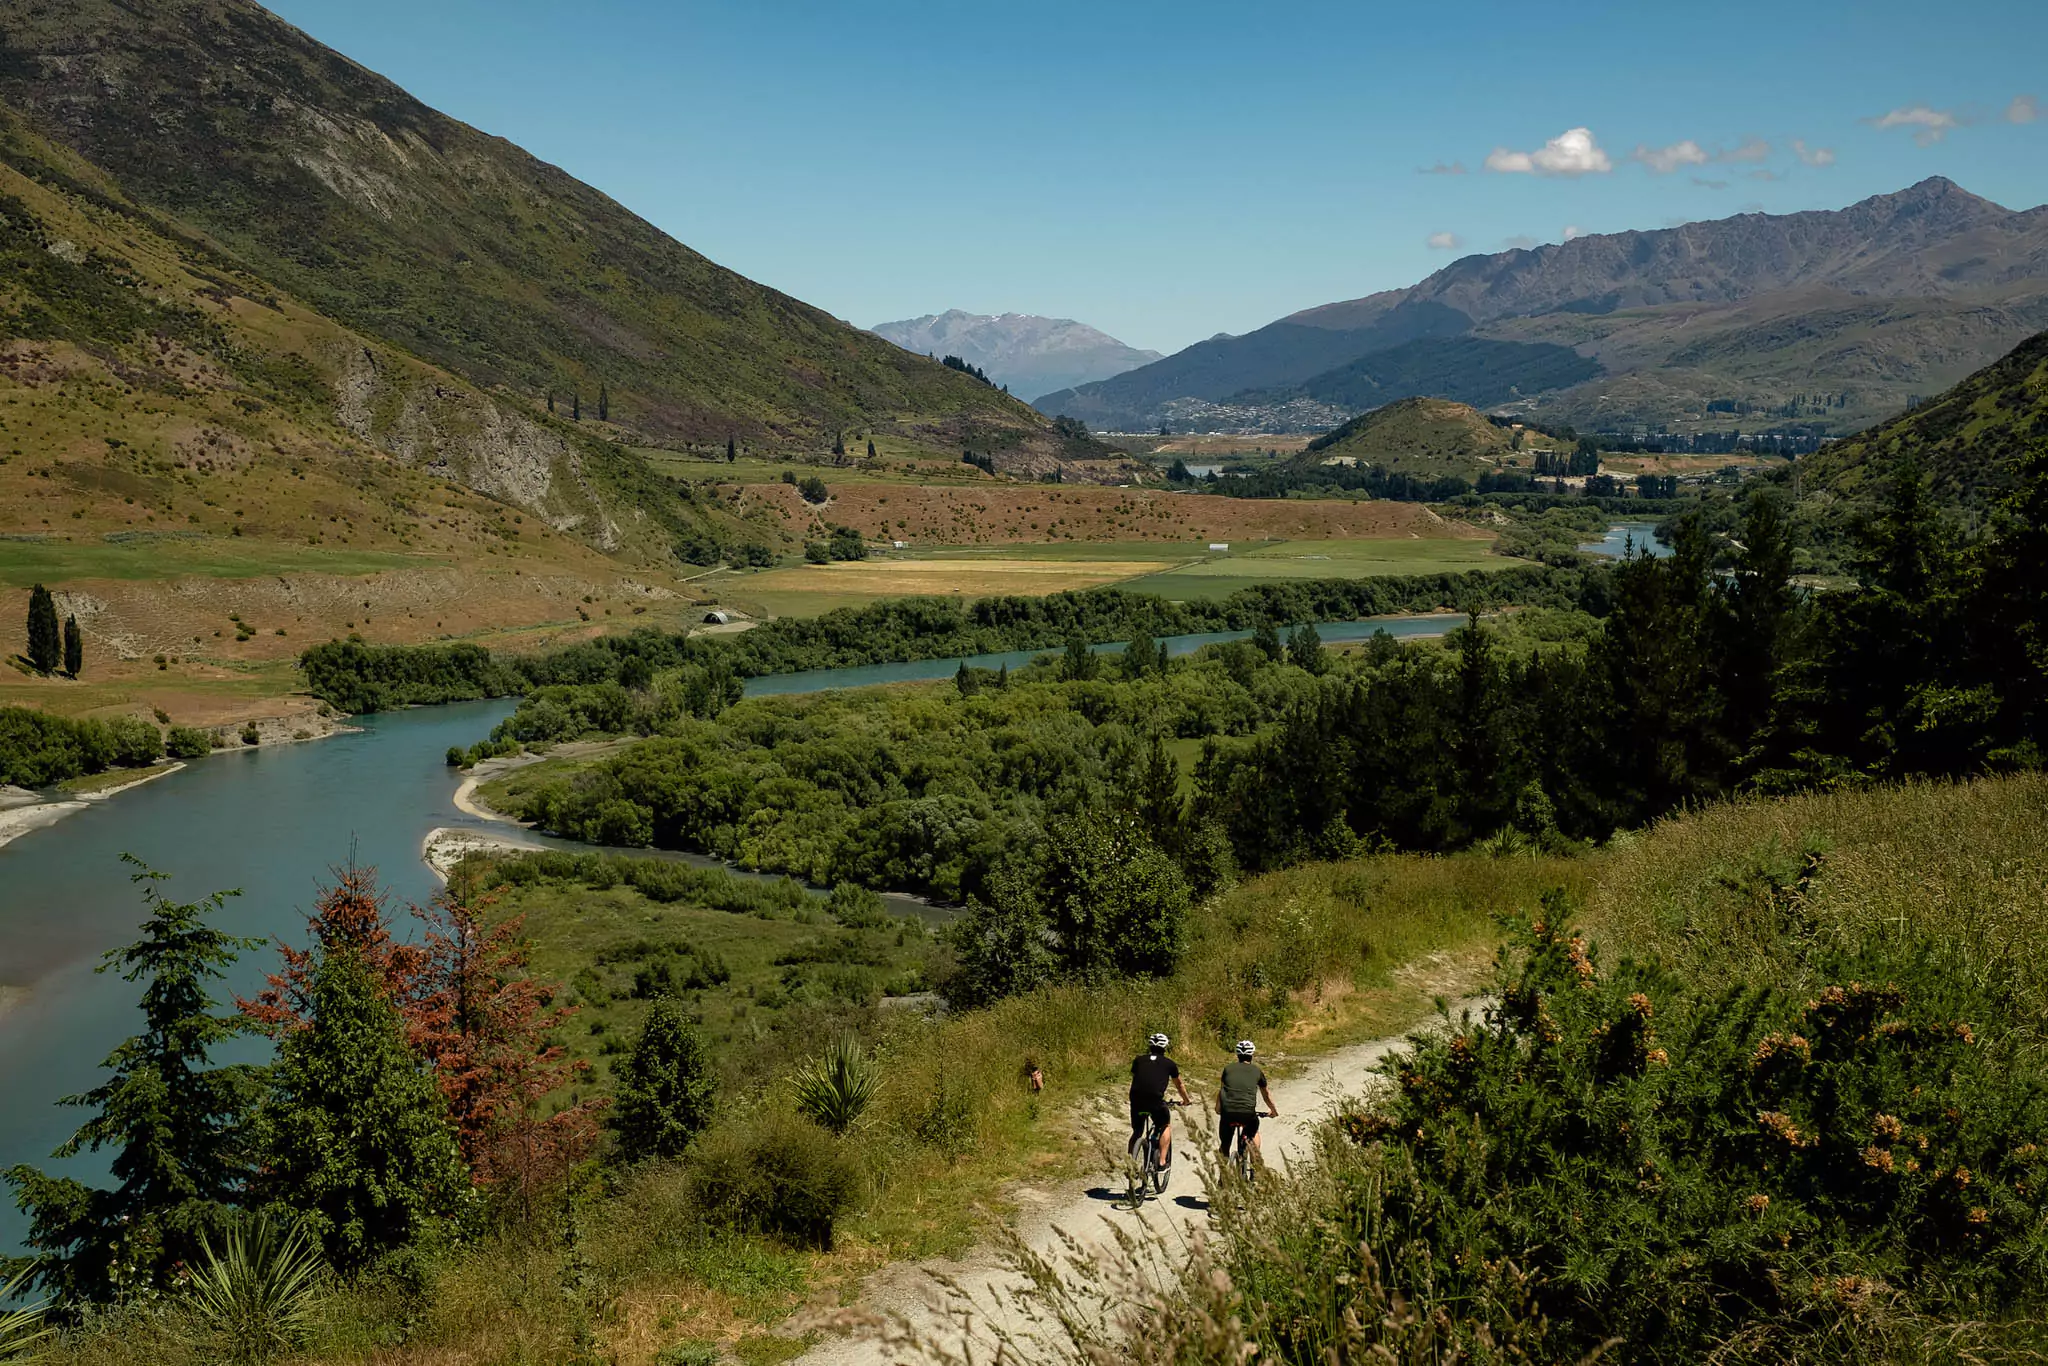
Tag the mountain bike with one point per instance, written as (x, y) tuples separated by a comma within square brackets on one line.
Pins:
[(1147, 1174)]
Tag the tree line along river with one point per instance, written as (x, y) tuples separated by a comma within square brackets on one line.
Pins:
[(270, 822)]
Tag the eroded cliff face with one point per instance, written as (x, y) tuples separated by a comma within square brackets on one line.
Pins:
[(455, 432)]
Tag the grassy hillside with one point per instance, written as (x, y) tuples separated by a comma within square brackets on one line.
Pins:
[(335, 185), (1966, 438), (1426, 436)]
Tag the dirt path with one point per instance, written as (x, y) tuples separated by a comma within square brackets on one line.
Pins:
[(1089, 1210)]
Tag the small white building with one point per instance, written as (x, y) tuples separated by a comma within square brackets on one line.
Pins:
[(1218, 547), (717, 619), (899, 545)]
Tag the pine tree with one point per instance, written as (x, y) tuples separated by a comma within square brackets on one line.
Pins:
[(45, 645), (604, 404), (1139, 656), (1305, 649), (356, 1140), (551, 403), (965, 681), (74, 647), (666, 1087), (732, 449), (173, 1121), (871, 448), (839, 443), (575, 406), (1003, 675), (1080, 662), (1267, 639)]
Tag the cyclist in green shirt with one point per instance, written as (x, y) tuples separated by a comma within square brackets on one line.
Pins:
[(1237, 1103)]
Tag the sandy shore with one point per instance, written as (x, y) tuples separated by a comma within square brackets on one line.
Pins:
[(151, 776), (445, 847), (22, 819), (465, 795)]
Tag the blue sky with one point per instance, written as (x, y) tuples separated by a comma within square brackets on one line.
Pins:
[(1166, 171)]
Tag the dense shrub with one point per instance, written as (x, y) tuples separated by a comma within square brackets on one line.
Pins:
[(666, 1086), (777, 1175), (1679, 1165), (186, 742), (37, 749)]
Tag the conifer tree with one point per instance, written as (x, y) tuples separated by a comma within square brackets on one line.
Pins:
[(1139, 656), (666, 1087), (173, 1121), (1305, 649), (551, 403), (74, 647), (1003, 675), (575, 406), (871, 448), (356, 1142), (1267, 639), (45, 645), (348, 917), (732, 449), (965, 681), (1080, 661), (604, 404)]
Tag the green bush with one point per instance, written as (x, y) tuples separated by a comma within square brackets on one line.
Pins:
[(776, 1175), (186, 742), (1682, 1168)]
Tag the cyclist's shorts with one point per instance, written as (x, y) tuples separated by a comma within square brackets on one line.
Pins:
[(1233, 1121), (1155, 1110)]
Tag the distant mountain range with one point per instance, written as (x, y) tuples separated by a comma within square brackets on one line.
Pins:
[(1830, 319), (1029, 354)]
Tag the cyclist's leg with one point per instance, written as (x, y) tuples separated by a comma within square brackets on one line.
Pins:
[(1251, 1130), (1138, 1117)]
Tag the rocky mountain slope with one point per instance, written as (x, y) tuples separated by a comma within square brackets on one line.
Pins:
[(424, 290), (1024, 353), (1830, 318)]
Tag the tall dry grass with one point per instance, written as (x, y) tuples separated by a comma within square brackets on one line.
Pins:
[(1747, 888)]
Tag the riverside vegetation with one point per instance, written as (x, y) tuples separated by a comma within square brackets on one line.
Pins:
[(1762, 1082)]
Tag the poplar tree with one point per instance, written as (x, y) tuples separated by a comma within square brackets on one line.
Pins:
[(604, 404), (732, 450), (45, 647), (173, 1123), (74, 647)]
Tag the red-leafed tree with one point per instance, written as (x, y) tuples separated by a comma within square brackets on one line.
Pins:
[(484, 1024), (348, 916), (471, 1012)]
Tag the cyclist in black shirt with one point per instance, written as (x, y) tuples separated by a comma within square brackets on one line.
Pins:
[(1149, 1075)]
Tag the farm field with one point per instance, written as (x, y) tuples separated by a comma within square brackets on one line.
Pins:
[(1219, 576), (1177, 570)]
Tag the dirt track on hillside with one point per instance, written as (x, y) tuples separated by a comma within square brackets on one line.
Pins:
[(912, 1294)]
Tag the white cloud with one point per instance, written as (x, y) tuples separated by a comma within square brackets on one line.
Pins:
[(2023, 109), (1444, 241), (1930, 125), (1765, 175), (1752, 149), (1573, 152), (1813, 156), (1443, 168), (1706, 184), (1572, 231), (1665, 160)]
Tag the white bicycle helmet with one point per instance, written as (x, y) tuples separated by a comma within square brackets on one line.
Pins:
[(1245, 1048), (1160, 1042)]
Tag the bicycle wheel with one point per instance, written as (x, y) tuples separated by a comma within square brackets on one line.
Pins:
[(1160, 1174)]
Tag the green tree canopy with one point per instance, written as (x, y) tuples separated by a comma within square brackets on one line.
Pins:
[(74, 647), (173, 1122), (357, 1142), (45, 646), (666, 1086)]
